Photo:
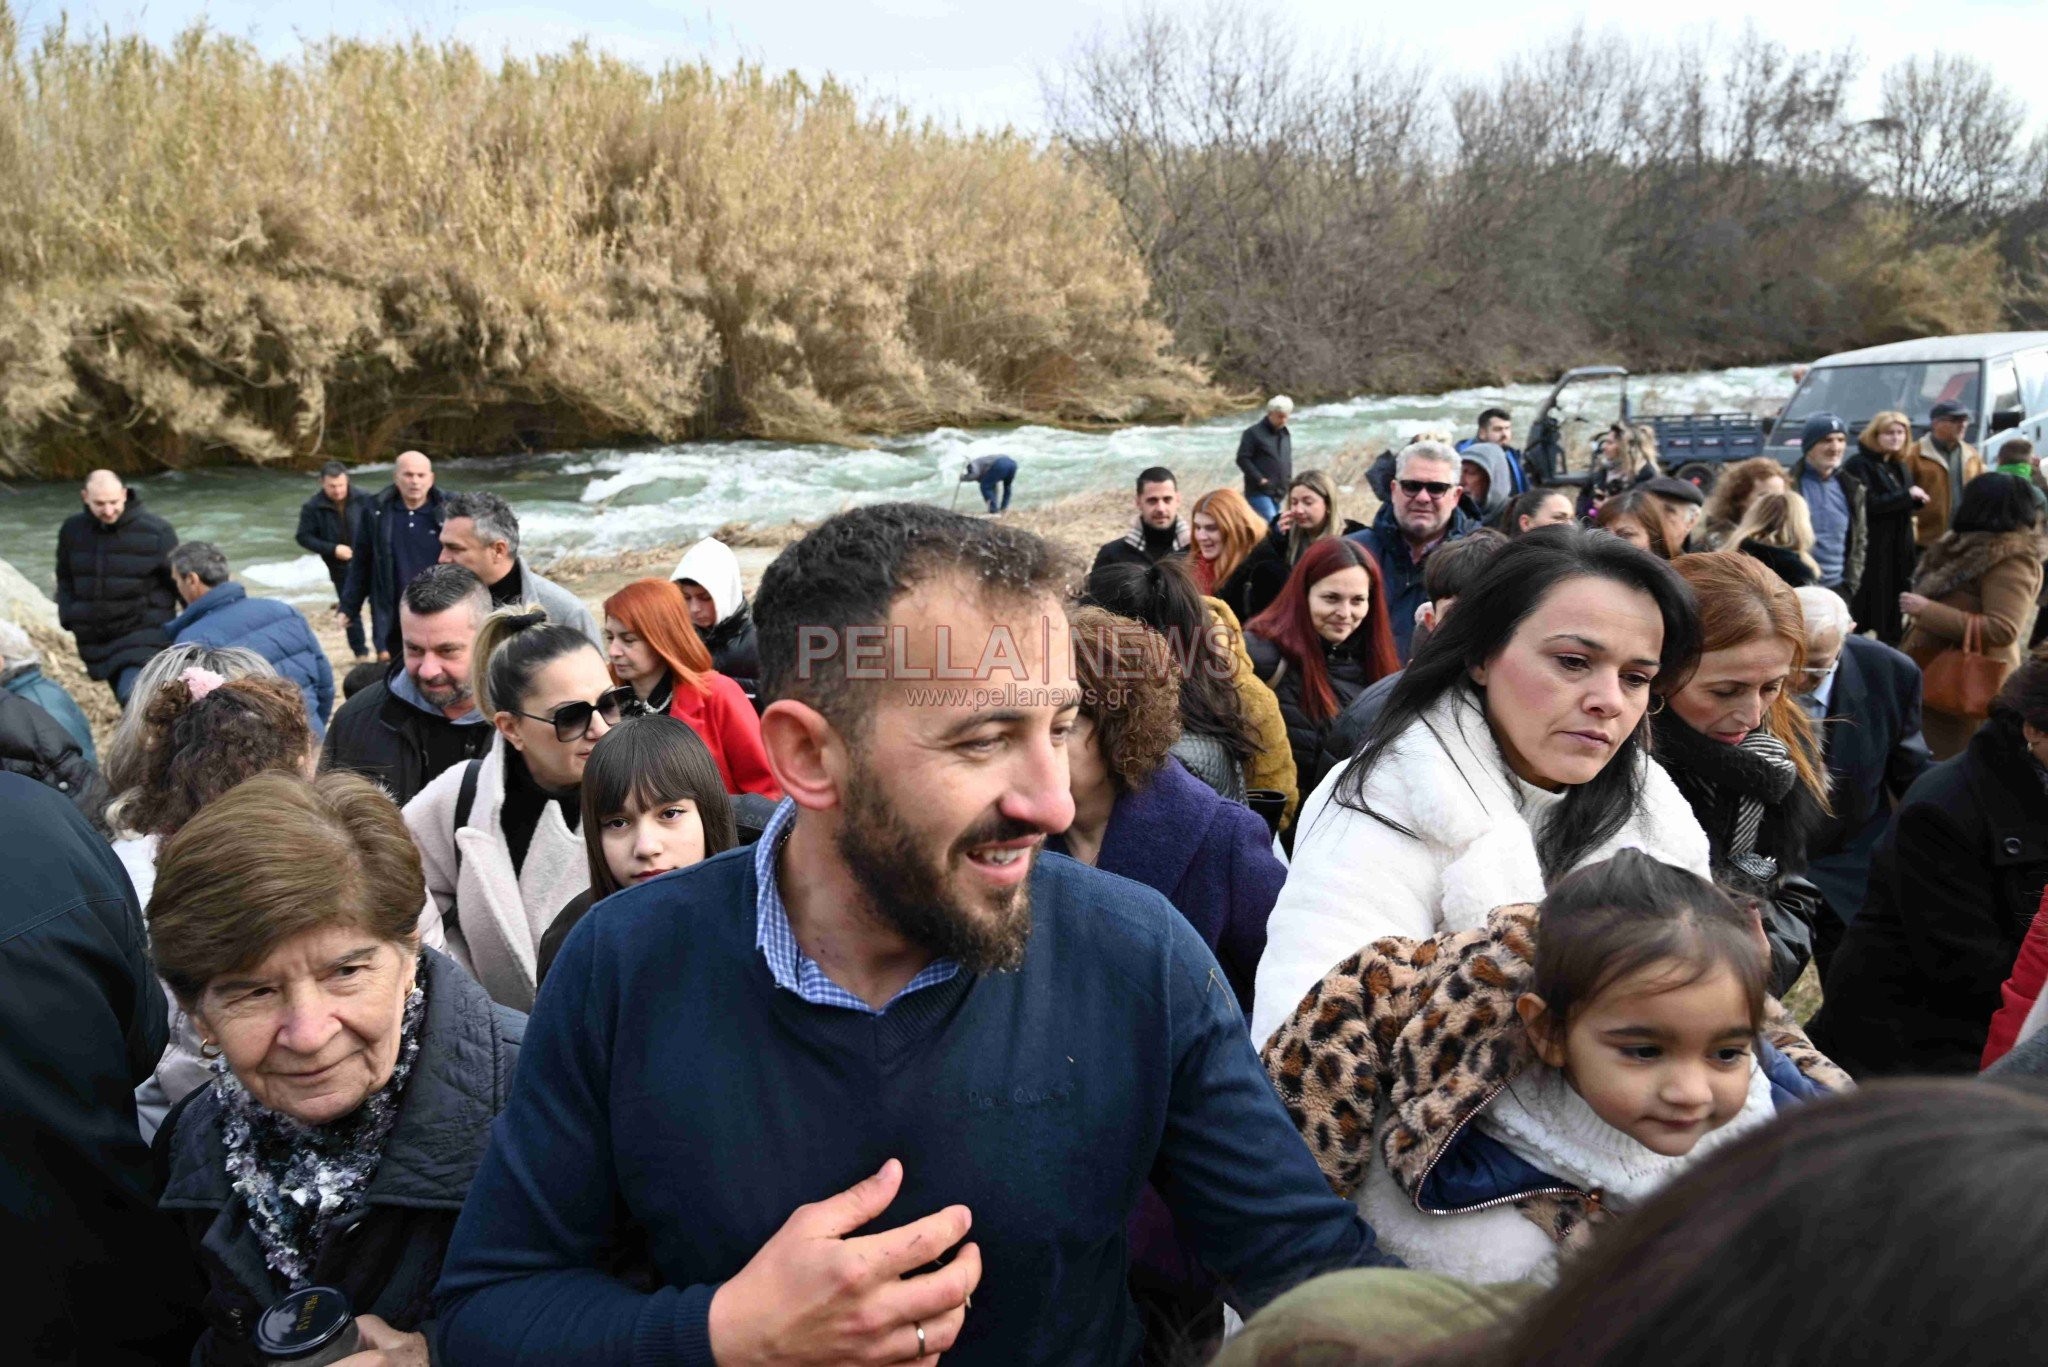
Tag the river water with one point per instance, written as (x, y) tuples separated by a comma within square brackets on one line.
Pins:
[(598, 500)]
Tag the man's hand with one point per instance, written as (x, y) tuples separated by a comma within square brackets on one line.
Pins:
[(339, 616), (387, 1347), (1919, 494), (344, 551), (813, 1295)]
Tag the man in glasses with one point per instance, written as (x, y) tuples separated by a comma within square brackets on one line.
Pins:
[(1421, 514), (1864, 698), (420, 719), (825, 1081)]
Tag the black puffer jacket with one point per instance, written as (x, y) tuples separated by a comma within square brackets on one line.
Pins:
[(1304, 737), (114, 591), (35, 745), (395, 745), (1715, 778), (388, 1257), (736, 653), (1954, 885)]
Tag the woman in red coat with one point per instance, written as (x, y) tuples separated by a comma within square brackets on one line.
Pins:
[(655, 650)]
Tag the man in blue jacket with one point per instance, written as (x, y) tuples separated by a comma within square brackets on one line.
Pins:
[(1421, 515), (399, 535), (1497, 426), (829, 1081), (221, 614)]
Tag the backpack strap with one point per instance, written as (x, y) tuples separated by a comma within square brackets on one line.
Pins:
[(465, 799)]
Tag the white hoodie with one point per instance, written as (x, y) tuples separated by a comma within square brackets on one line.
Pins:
[(713, 565)]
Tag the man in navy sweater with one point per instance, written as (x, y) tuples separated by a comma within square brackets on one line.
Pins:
[(805, 1074)]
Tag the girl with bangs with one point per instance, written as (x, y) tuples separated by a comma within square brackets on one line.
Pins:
[(654, 650)]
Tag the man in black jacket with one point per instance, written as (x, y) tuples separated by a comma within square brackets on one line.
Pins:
[(114, 592), (35, 745), (1157, 529), (329, 524), (1266, 455), (400, 536), (1864, 697), (97, 1276), (420, 719)]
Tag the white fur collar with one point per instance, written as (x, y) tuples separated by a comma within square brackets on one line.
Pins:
[(1543, 1121), (1445, 779)]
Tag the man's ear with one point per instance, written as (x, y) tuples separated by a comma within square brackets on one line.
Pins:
[(805, 752), (1542, 1028)]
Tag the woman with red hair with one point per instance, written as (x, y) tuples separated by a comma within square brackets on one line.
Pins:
[(1322, 642), (655, 650)]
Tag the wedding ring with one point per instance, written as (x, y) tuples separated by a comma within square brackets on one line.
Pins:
[(920, 1339)]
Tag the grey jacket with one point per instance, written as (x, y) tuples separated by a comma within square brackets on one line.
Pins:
[(388, 1257), (562, 607)]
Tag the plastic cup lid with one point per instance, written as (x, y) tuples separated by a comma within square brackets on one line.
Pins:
[(303, 1322)]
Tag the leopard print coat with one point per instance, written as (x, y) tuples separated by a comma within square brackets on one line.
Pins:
[(1423, 1033)]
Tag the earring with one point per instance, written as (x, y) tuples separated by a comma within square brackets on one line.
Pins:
[(208, 1050), (1658, 702)]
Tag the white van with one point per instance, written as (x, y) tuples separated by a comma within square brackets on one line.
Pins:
[(2001, 377)]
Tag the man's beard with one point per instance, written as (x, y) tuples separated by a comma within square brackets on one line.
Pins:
[(910, 893), (443, 696)]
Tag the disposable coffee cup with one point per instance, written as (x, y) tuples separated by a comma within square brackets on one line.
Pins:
[(312, 1327)]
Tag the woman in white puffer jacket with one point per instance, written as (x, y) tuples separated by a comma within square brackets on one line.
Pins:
[(1511, 752)]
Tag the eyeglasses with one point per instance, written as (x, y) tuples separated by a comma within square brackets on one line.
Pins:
[(572, 719), (1416, 488)]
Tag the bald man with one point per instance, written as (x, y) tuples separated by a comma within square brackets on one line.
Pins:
[(400, 536), (114, 591)]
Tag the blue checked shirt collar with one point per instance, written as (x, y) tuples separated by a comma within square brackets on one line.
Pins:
[(794, 970)]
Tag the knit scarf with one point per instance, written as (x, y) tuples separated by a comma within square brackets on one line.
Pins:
[(297, 1181), (1740, 783), (1154, 542)]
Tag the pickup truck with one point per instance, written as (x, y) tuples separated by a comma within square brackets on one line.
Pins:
[(1693, 446)]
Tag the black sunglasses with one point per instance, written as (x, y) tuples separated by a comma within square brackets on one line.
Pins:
[(572, 719), (1435, 488)]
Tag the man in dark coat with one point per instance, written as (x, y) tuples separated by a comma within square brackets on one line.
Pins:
[(1266, 455), (114, 592), (421, 718), (1864, 698), (96, 1277), (221, 615), (35, 745), (1157, 529), (1422, 515), (329, 524), (399, 537)]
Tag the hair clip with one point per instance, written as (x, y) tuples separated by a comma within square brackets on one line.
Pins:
[(200, 682)]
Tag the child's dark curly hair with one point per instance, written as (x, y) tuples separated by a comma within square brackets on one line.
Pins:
[(195, 751)]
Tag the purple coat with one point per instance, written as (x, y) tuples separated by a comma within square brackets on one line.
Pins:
[(1214, 861)]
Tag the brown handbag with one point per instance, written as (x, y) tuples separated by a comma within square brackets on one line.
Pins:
[(1963, 682)]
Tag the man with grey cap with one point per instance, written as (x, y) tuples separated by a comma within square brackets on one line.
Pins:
[(1942, 463), (1266, 455)]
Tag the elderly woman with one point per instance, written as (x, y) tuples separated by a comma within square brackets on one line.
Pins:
[(1140, 814), (355, 1075)]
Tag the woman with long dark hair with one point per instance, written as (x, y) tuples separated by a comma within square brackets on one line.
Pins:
[(1323, 641), (1217, 739), (1512, 751)]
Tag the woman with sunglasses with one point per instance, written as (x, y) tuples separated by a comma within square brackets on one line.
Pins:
[(498, 836)]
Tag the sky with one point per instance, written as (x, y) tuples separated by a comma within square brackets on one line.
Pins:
[(978, 62)]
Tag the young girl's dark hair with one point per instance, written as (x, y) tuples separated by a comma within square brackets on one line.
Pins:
[(1514, 586), (638, 764), (512, 647), (1609, 920), (1903, 1224), (1164, 598), (1996, 503)]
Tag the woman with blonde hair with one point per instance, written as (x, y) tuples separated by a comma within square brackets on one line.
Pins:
[(1890, 500), (1737, 485), (1226, 530), (1743, 752), (1778, 530), (1627, 456)]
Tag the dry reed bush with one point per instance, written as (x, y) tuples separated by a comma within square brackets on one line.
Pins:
[(207, 255)]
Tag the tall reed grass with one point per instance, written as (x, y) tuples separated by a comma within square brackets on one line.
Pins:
[(208, 255)]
